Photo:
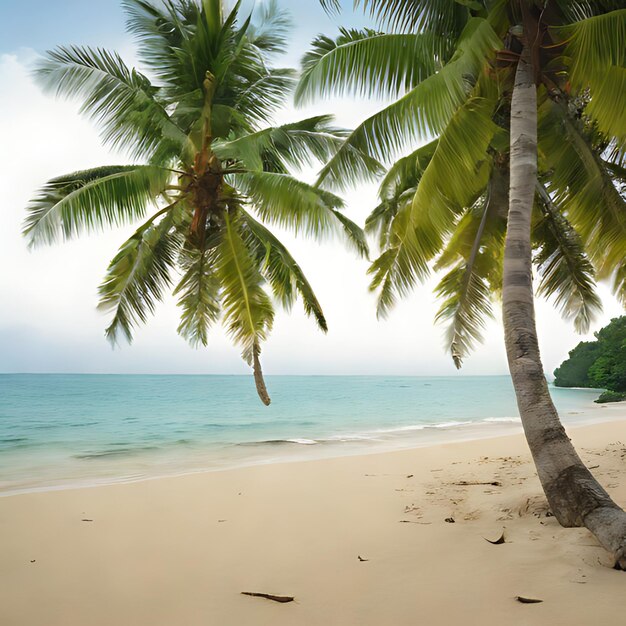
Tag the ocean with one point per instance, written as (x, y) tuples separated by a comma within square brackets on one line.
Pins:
[(59, 430)]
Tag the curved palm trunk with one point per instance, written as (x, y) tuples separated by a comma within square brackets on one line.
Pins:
[(258, 376), (575, 497)]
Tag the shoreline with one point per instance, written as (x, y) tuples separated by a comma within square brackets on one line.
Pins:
[(416, 437), (180, 550)]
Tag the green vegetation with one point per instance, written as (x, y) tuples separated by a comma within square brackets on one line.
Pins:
[(208, 175), (611, 396), (574, 372), (599, 364)]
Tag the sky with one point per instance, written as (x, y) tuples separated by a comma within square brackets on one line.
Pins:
[(48, 296)]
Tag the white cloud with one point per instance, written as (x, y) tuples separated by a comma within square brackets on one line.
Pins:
[(48, 317)]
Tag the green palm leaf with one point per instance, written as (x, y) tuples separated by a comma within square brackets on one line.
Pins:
[(418, 15), (199, 291), (423, 112), (90, 200), (466, 295), (596, 48), (619, 282), (566, 273), (270, 29), (138, 275), (263, 97), (281, 270), (283, 200), (406, 172), (453, 179), (397, 188), (278, 148), (122, 101), (474, 253), (161, 36), (580, 183), (247, 309), (368, 63)]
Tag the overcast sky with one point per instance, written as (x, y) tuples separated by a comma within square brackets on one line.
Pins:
[(48, 297)]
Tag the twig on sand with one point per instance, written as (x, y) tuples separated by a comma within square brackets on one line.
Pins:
[(527, 600), (465, 483), (269, 596), (362, 559), (498, 541)]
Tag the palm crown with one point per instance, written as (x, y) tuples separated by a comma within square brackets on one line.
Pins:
[(209, 159), (448, 67)]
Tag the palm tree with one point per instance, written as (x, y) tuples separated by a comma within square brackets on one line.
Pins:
[(517, 111), (210, 171)]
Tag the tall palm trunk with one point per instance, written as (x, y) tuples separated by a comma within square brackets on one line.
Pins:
[(575, 497)]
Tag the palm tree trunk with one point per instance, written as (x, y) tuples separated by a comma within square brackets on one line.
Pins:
[(575, 497), (258, 376)]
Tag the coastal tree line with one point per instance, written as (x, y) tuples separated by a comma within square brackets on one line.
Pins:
[(599, 364), (502, 151)]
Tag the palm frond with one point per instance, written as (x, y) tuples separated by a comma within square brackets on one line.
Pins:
[(580, 183), (122, 101), (287, 202), (247, 310), (461, 242), (467, 300), (455, 176), (277, 148), (137, 276), (395, 272), (369, 64), (474, 254), (440, 16), (163, 32), (90, 200), (596, 48), (397, 187), (421, 113), (199, 290), (260, 99), (406, 172), (619, 282), (280, 270), (566, 273), (270, 28)]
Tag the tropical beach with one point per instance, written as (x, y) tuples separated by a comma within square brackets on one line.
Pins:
[(359, 540), (312, 313)]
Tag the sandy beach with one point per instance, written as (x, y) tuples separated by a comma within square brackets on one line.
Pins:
[(359, 540)]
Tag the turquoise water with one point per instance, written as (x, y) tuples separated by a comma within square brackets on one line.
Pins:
[(57, 430)]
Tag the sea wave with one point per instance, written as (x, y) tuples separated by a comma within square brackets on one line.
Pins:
[(502, 420), (381, 434), (278, 442), (122, 451), (13, 439)]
